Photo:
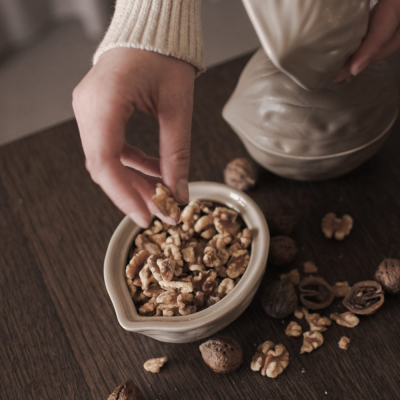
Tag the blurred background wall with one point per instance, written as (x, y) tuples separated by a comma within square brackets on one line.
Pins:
[(46, 48)]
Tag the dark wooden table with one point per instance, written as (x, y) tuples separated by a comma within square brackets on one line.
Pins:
[(60, 338)]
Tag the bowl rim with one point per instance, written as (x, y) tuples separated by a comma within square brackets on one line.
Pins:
[(247, 137), (122, 302)]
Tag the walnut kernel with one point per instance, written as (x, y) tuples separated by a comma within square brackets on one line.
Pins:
[(338, 228), (341, 288), (271, 359), (293, 329), (165, 202), (293, 277), (344, 343), (309, 267), (311, 341), (155, 364), (347, 319), (318, 323)]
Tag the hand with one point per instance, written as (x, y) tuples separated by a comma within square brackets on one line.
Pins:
[(381, 40), (124, 80)]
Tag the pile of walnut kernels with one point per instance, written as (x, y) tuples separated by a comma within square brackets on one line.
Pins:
[(182, 269)]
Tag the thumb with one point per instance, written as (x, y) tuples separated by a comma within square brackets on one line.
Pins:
[(175, 127)]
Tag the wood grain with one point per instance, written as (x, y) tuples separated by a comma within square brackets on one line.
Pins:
[(60, 338)]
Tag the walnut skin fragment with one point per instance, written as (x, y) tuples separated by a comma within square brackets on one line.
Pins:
[(315, 293), (364, 298)]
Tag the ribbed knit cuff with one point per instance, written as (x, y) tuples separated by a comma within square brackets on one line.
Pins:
[(169, 27)]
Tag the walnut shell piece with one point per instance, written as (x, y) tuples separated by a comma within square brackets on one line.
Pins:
[(222, 354), (388, 275), (155, 364), (126, 391), (282, 250), (241, 173), (364, 298), (279, 299), (315, 293)]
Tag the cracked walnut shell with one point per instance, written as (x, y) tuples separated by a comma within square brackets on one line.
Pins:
[(315, 293), (165, 202), (364, 298), (155, 364), (339, 228), (311, 341), (271, 359), (347, 319), (126, 391)]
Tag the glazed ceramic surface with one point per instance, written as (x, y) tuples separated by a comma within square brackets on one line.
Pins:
[(209, 321), (309, 40), (301, 134)]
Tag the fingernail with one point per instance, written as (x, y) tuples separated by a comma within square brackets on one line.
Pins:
[(140, 220), (182, 190), (360, 68)]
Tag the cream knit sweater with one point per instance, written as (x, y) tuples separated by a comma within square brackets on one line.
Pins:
[(169, 27)]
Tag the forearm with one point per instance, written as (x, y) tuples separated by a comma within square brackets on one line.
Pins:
[(169, 27)]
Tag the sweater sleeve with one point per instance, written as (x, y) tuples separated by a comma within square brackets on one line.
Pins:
[(169, 27)]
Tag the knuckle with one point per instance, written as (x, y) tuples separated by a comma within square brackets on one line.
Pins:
[(180, 154)]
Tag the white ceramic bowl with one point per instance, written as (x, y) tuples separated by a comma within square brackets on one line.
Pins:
[(181, 329)]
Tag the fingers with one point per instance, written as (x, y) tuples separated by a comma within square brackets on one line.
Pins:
[(101, 115), (392, 46), (135, 158), (384, 22), (175, 115)]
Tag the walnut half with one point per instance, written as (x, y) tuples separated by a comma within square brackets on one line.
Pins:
[(271, 359)]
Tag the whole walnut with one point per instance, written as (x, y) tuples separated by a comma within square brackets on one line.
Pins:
[(241, 174), (388, 275), (280, 299), (222, 354), (282, 250)]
